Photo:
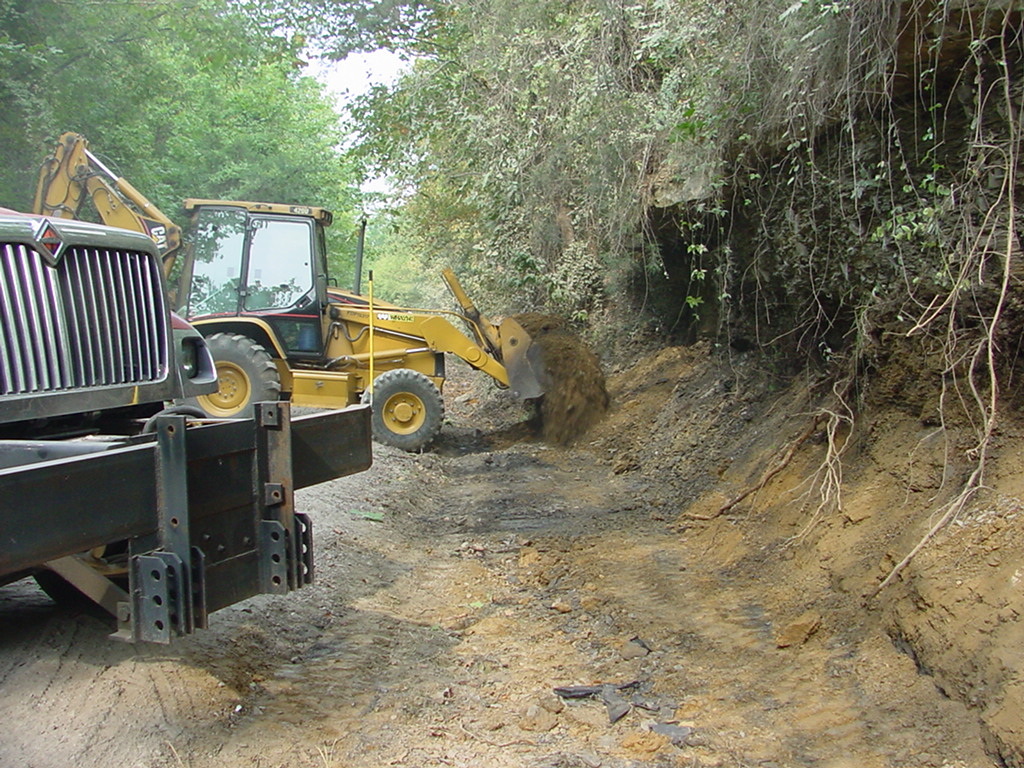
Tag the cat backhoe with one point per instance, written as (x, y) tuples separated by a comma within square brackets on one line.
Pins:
[(253, 280)]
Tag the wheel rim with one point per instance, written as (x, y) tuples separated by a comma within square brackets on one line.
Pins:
[(403, 413), (234, 391)]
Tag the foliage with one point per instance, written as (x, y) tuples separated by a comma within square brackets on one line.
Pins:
[(400, 277), (490, 133), (742, 154), (23, 63), (191, 99), (336, 28), (534, 134)]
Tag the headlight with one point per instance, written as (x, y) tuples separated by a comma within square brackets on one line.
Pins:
[(189, 359)]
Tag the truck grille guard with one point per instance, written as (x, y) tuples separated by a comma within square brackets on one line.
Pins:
[(94, 319)]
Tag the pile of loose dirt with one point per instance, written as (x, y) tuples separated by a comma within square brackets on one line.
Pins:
[(576, 396)]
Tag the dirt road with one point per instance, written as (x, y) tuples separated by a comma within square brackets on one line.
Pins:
[(455, 590)]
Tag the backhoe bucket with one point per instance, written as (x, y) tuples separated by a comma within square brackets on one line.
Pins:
[(523, 360)]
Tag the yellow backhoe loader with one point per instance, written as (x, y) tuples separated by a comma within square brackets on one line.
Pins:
[(254, 282)]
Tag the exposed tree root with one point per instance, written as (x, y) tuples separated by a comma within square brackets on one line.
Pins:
[(979, 252), (781, 465)]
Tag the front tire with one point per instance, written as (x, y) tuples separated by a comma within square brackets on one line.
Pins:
[(407, 409), (246, 374)]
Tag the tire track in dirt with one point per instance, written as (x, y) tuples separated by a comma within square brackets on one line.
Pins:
[(72, 696)]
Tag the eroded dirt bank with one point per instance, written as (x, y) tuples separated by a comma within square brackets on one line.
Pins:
[(456, 589)]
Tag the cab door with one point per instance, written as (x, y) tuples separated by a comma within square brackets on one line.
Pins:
[(280, 283)]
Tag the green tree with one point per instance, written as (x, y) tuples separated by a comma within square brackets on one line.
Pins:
[(491, 133), (335, 28), (191, 99)]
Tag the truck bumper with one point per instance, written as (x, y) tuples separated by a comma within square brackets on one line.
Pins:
[(206, 514)]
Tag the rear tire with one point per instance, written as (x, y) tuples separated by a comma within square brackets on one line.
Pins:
[(407, 409), (246, 374)]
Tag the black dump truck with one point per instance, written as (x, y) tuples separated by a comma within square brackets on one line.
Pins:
[(111, 486)]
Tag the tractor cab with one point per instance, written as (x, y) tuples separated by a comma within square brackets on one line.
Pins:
[(258, 262)]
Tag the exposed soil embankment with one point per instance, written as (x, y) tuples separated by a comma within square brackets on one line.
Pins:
[(955, 611)]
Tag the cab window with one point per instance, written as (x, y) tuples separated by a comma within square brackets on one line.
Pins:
[(217, 241), (280, 264)]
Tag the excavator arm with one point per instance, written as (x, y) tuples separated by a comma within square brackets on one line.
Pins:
[(518, 365), (508, 342), (72, 173)]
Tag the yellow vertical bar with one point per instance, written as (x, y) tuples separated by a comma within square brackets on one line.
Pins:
[(370, 285)]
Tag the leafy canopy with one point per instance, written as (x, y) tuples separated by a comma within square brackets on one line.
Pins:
[(184, 99)]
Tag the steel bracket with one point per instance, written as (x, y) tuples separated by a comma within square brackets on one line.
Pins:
[(273, 494), (161, 604), (274, 545), (304, 545)]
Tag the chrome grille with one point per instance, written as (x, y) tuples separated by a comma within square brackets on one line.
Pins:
[(96, 319)]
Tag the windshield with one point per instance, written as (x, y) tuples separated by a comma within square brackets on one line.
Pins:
[(217, 241), (279, 270)]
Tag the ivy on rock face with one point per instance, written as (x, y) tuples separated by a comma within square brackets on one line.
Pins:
[(763, 170)]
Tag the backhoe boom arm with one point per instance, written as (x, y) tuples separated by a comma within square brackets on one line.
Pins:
[(72, 173)]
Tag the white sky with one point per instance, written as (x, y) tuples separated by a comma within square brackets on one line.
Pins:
[(353, 76), (357, 73)]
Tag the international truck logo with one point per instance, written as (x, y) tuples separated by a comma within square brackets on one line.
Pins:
[(48, 242)]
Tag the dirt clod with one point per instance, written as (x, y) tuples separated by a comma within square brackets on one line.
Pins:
[(576, 396), (538, 719), (800, 630)]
